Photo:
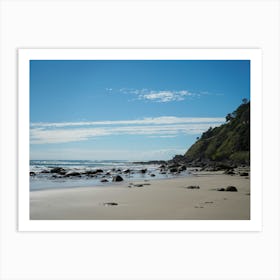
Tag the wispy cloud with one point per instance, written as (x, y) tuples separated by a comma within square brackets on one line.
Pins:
[(163, 96), (144, 121), (162, 127)]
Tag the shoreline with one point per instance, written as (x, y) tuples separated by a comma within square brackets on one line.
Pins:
[(158, 199)]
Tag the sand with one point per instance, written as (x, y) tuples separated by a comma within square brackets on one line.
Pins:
[(167, 199)]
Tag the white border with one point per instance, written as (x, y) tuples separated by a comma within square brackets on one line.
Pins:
[(254, 55)]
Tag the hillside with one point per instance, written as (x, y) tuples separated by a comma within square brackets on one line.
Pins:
[(229, 142)]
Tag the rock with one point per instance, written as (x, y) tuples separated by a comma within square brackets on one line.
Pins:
[(73, 174), (98, 171), (117, 178), (45, 171), (32, 173), (104, 181), (229, 172), (126, 171), (138, 185), (152, 175), (193, 187), (221, 189), (231, 189), (143, 171), (244, 174), (57, 170), (163, 172), (173, 169), (182, 168), (110, 204)]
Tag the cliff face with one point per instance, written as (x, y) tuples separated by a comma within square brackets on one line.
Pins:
[(229, 142)]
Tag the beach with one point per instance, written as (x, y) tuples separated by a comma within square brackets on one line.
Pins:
[(193, 197)]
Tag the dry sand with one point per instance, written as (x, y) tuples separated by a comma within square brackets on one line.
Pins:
[(168, 199)]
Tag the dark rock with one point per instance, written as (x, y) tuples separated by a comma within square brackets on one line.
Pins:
[(143, 171), (182, 168), (110, 204), (138, 185), (229, 172), (244, 174), (152, 175), (117, 178), (98, 171), (32, 173), (231, 189), (104, 181), (57, 170), (126, 171), (221, 189), (73, 174), (162, 172), (45, 171), (173, 169), (193, 187)]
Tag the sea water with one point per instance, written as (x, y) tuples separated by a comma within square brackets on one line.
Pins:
[(111, 167)]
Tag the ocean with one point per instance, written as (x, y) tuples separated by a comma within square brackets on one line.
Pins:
[(42, 177)]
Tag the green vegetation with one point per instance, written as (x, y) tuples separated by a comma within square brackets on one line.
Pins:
[(229, 142)]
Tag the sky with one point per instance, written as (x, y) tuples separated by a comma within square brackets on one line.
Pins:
[(129, 109)]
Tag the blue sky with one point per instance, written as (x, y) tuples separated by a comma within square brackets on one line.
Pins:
[(133, 110)]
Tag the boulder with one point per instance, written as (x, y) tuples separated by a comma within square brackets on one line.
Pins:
[(98, 171), (117, 178), (73, 174), (193, 187), (126, 171), (229, 172), (152, 175), (231, 189), (244, 174), (57, 170), (104, 181), (221, 189), (143, 171), (182, 168), (173, 169), (45, 171)]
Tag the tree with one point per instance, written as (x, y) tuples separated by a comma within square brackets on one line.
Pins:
[(244, 100), (229, 117)]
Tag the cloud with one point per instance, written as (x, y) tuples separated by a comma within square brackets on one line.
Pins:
[(144, 121), (166, 96), (161, 96), (161, 127)]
